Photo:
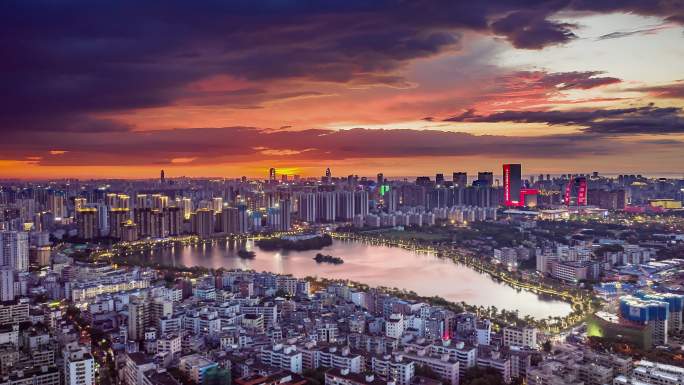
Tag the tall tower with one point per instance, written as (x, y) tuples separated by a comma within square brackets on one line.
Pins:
[(14, 250), (161, 177), (576, 192), (272, 174), (512, 181)]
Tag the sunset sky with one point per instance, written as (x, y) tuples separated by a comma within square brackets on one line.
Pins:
[(122, 89)]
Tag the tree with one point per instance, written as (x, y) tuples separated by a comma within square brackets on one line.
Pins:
[(217, 376), (426, 371), (482, 376)]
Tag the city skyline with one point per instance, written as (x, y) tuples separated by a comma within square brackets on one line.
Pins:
[(232, 89)]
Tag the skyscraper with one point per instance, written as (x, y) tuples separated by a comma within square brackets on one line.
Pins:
[(203, 223), (361, 203), (307, 207), (272, 174), (512, 181), (285, 222), (486, 178), (173, 218), (328, 176), (14, 250), (6, 284), (79, 366), (326, 207), (345, 205), (460, 179), (161, 177), (87, 220), (576, 192), (56, 204), (117, 218)]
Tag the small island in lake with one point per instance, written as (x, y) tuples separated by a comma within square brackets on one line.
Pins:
[(320, 258), (244, 254), (298, 244)]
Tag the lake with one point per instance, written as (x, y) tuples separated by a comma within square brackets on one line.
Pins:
[(373, 265)]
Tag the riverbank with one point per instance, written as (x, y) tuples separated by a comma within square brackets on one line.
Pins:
[(377, 264), (582, 301)]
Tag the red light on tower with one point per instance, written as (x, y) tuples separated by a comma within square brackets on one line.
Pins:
[(576, 192), (507, 184), (512, 181)]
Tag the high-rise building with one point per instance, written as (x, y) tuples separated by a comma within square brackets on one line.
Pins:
[(486, 178), (6, 284), (142, 201), (460, 179), (285, 215), (391, 199), (361, 203), (186, 206), (439, 179), (161, 177), (512, 182), (79, 366), (229, 220), (307, 207), (118, 201), (243, 218), (217, 204), (173, 220), (576, 192), (381, 179), (150, 223), (143, 218), (159, 201), (326, 207), (79, 203), (138, 318), (345, 205), (56, 204), (272, 174), (651, 312), (87, 221), (117, 218), (14, 250), (203, 223)]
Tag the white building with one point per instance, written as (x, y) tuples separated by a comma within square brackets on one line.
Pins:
[(394, 327), (14, 250), (195, 367), (394, 368), (647, 372), (79, 366), (524, 337), (281, 356)]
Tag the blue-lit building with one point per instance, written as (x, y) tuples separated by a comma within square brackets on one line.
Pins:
[(647, 312), (675, 303)]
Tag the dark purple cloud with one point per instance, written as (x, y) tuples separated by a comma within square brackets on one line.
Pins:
[(230, 144), (65, 61), (673, 91), (633, 32), (636, 120), (532, 30), (582, 80)]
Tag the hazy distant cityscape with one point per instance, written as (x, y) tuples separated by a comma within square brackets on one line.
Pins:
[(344, 279)]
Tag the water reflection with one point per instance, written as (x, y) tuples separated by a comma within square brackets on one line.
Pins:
[(373, 265)]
